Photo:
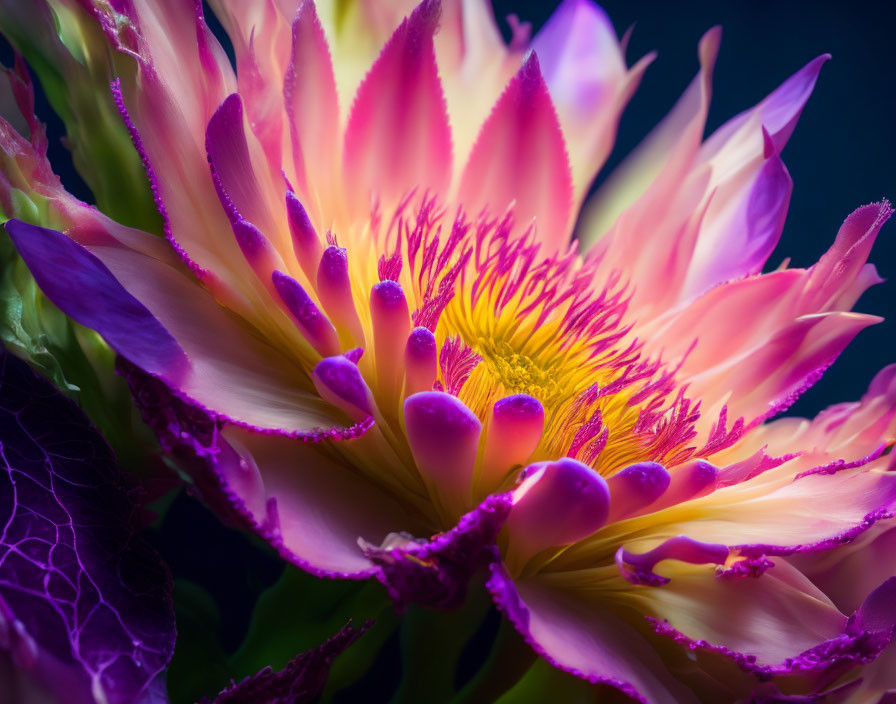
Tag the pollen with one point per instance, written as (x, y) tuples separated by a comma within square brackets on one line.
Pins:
[(518, 373)]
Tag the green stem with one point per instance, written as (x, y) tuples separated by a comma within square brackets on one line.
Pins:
[(509, 660)]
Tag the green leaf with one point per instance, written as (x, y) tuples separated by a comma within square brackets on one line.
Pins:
[(199, 665), (544, 683), (431, 647), (301, 611), (67, 49)]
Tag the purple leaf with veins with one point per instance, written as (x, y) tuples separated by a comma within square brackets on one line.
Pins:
[(85, 603)]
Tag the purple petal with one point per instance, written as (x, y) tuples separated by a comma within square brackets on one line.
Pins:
[(435, 573), (778, 112), (85, 603), (305, 503), (84, 288), (584, 639)]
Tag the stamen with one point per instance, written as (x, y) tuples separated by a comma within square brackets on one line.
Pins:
[(690, 481), (420, 361), (308, 318), (514, 431), (305, 243), (391, 325), (258, 251), (339, 382), (444, 435), (557, 503), (335, 290)]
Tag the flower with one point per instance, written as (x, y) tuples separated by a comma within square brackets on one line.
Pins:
[(368, 324)]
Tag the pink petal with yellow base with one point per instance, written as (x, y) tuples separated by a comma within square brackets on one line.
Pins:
[(397, 137), (520, 159)]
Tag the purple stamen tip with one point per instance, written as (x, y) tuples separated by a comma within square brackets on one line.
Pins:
[(689, 481), (421, 343), (514, 432), (339, 381), (252, 242), (296, 298), (636, 487), (388, 295), (299, 223), (333, 263), (519, 406), (309, 319), (420, 361)]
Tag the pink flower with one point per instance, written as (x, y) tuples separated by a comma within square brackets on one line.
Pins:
[(368, 321)]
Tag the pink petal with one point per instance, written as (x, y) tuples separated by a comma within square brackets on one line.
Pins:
[(584, 68), (316, 508), (763, 340), (520, 159), (585, 638), (170, 109), (475, 66), (260, 36), (702, 215), (770, 618), (742, 226), (233, 372), (397, 138), (788, 516), (309, 93), (654, 171)]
